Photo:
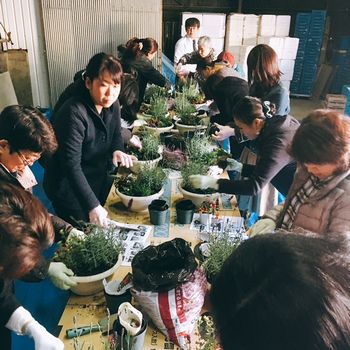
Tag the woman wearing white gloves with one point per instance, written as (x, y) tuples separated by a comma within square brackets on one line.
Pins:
[(88, 130), (270, 136), (319, 199), (25, 134), (26, 230)]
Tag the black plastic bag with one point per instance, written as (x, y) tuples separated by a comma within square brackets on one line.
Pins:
[(161, 268)]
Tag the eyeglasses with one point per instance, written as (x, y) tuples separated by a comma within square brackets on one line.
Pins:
[(24, 160)]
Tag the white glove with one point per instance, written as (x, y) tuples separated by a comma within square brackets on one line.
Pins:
[(223, 133), (203, 182), (60, 275), (135, 141), (75, 233), (98, 216), (123, 158), (22, 322), (262, 226), (233, 164)]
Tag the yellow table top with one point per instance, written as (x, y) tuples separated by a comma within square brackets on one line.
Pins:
[(90, 309)]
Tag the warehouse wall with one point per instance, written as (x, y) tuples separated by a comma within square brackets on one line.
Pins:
[(23, 19), (77, 29)]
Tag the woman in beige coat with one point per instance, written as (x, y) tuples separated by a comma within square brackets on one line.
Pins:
[(319, 198)]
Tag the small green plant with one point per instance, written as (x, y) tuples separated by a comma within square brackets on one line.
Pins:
[(194, 167), (97, 252), (191, 91), (154, 91), (150, 146), (199, 147), (159, 113), (147, 182), (186, 111), (206, 333), (221, 246)]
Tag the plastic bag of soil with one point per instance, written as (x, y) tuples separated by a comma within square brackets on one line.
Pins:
[(163, 267)]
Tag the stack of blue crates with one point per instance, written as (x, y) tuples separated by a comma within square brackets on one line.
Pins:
[(309, 28), (341, 59), (346, 92)]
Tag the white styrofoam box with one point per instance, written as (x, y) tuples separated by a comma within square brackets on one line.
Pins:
[(213, 25), (249, 41), (282, 25), (218, 45), (235, 50), (267, 25), (277, 43), (290, 48), (287, 68), (245, 49), (186, 15), (234, 30), (250, 26), (286, 84)]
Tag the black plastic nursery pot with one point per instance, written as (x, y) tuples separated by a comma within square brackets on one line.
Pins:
[(113, 301), (158, 211), (184, 211)]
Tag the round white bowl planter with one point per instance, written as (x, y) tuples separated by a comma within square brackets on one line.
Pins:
[(157, 130), (138, 204), (198, 198), (138, 165), (188, 128), (88, 285)]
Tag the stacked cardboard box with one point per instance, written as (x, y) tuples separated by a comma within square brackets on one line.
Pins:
[(335, 102), (282, 25), (250, 29), (267, 25)]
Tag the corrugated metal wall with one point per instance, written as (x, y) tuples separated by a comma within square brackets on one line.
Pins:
[(23, 19), (77, 29)]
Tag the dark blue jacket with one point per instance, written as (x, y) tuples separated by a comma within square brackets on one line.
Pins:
[(274, 164)]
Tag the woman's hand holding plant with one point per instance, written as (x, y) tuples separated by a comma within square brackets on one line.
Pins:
[(223, 133), (126, 160), (98, 216)]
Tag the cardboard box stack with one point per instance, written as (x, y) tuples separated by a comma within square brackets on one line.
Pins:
[(335, 102)]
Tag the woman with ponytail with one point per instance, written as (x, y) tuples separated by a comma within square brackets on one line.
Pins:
[(136, 57)]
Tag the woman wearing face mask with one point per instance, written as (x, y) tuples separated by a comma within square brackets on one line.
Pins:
[(88, 131), (319, 198), (271, 135), (136, 57)]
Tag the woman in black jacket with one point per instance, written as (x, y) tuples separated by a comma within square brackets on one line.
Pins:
[(136, 59), (88, 131), (270, 135)]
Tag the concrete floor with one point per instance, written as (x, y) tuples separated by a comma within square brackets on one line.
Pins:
[(301, 107)]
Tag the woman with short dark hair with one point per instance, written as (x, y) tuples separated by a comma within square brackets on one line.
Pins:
[(264, 78), (284, 291), (25, 231), (319, 198), (88, 131)]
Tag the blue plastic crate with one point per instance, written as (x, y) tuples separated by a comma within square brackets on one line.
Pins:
[(168, 69)]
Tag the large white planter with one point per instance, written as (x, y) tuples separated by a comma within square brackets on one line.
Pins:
[(137, 204), (159, 131), (197, 198), (88, 285), (138, 165), (188, 128)]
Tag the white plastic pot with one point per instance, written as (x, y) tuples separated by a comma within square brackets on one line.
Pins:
[(159, 131), (88, 285), (198, 198), (188, 128), (138, 165), (138, 204)]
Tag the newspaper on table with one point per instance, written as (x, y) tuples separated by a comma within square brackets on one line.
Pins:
[(211, 223), (135, 237)]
